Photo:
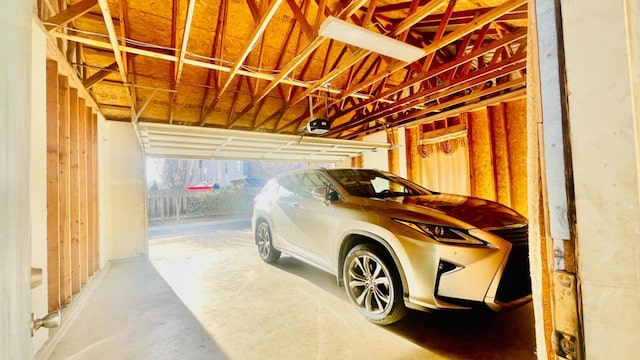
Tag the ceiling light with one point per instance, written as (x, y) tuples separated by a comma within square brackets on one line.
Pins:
[(355, 35)]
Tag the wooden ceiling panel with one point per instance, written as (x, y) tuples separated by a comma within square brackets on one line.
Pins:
[(254, 64)]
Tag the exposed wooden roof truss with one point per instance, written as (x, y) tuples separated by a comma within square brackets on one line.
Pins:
[(258, 64)]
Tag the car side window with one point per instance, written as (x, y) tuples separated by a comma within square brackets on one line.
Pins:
[(288, 186), (311, 181)]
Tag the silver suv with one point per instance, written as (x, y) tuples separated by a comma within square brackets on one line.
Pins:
[(394, 244)]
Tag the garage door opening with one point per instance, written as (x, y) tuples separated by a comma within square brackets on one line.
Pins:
[(188, 190)]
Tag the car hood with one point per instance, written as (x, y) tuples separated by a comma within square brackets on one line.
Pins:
[(476, 212)]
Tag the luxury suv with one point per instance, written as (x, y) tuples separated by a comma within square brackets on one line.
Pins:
[(394, 244)]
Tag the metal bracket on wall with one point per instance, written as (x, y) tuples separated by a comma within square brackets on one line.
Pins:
[(567, 337)]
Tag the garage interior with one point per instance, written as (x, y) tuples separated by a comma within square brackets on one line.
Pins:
[(503, 100)]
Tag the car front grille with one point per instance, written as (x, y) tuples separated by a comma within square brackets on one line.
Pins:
[(516, 280), (515, 236)]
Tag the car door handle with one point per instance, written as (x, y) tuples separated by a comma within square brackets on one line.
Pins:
[(295, 205)]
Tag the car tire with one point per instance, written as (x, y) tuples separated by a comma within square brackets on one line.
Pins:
[(264, 242), (373, 285)]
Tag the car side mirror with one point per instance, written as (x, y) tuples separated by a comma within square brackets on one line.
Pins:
[(320, 193)]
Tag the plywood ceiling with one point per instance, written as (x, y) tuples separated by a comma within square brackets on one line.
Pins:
[(258, 65)]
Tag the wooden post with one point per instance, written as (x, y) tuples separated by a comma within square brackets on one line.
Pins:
[(75, 190), (64, 190), (82, 188), (89, 171), (95, 198), (53, 249), (500, 139)]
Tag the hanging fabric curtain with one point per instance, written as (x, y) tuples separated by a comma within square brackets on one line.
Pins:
[(445, 163)]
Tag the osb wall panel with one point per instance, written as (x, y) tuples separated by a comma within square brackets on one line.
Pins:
[(481, 166), (501, 167), (516, 113), (498, 154), (414, 162)]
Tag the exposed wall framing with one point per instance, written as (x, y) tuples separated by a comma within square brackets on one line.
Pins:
[(71, 189)]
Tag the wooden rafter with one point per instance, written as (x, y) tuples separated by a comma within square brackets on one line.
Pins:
[(463, 17), (438, 71), (465, 82), (426, 65), (216, 48), (233, 103), (203, 64), (416, 16), (502, 88), (144, 105), (309, 32), (113, 40), (478, 43), (127, 61), (311, 47), (253, 8), (100, 75), (69, 14), (266, 18), (179, 65), (449, 38), (360, 54)]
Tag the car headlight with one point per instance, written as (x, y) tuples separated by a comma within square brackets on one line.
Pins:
[(443, 234)]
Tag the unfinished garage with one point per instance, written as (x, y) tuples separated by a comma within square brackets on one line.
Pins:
[(530, 104)]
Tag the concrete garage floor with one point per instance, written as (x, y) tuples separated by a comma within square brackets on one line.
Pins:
[(232, 305)]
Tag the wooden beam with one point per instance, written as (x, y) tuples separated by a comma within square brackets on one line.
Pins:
[(82, 189), (266, 19), (100, 75), (127, 61), (54, 53), (74, 155), (69, 14), (449, 38), (144, 106), (216, 48), (53, 205), (360, 54), (310, 48), (309, 32), (415, 17), (439, 33), (438, 71), (90, 193), (183, 53), (95, 193), (439, 92), (113, 40), (423, 117), (64, 191), (202, 64)]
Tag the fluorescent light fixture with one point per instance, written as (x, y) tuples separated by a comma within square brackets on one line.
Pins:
[(355, 35)]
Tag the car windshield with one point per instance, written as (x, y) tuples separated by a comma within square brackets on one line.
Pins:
[(375, 184)]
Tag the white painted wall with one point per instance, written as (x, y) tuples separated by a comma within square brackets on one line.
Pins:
[(379, 159), (605, 173), (15, 213), (38, 177), (124, 194)]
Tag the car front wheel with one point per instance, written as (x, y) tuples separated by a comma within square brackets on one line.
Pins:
[(265, 247), (373, 285)]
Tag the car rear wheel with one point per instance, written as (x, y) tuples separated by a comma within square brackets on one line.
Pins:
[(265, 247), (373, 285)]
